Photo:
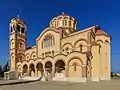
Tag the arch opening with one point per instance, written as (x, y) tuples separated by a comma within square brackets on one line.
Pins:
[(25, 69), (75, 68), (32, 70), (60, 66), (48, 67), (39, 67)]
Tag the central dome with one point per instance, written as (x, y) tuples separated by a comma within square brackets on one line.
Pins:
[(63, 20)]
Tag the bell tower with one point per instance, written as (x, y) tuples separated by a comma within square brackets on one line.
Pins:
[(17, 42)]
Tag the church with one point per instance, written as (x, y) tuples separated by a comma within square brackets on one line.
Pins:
[(62, 51)]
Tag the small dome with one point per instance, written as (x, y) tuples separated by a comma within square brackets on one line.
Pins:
[(16, 21), (17, 25), (63, 20)]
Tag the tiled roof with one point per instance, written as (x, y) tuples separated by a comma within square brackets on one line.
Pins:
[(100, 32)]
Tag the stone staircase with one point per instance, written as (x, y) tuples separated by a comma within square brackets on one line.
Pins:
[(59, 77), (31, 78)]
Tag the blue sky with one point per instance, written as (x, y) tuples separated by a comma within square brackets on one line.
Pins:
[(37, 14)]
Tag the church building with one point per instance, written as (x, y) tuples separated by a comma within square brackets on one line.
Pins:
[(62, 51)]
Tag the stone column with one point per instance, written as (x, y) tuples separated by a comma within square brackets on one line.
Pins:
[(51, 75), (35, 71), (66, 71), (84, 73), (53, 71), (28, 71), (8, 75), (44, 75)]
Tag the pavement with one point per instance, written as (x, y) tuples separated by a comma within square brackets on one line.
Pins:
[(15, 82), (54, 85)]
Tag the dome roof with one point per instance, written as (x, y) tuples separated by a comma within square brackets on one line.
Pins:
[(63, 15), (64, 21)]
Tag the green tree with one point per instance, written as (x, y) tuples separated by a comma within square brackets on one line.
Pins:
[(0, 71), (111, 74), (6, 67)]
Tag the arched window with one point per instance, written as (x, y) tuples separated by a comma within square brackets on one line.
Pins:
[(18, 28), (51, 41), (11, 29), (52, 53), (81, 47), (44, 43), (56, 23), (20, 58), (12, 56), (21, 45), (12, 44), (43, 55), (48, 41), (27, 57), (23, 30), (67, 50), (14, 27), (70, 23), (105, 60), (74, 24), (65, 23), (34, 56)]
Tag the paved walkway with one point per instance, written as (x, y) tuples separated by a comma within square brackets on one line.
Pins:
[(103, 85), (15, 82)]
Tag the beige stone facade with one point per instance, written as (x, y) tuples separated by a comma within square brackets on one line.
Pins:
[(61, 50)]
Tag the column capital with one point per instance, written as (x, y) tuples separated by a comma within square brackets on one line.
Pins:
[(53, 70)]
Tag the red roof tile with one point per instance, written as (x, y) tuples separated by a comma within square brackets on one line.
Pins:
[(99, 32)]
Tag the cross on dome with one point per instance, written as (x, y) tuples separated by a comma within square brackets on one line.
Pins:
[(18, 14), (63, 13)]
